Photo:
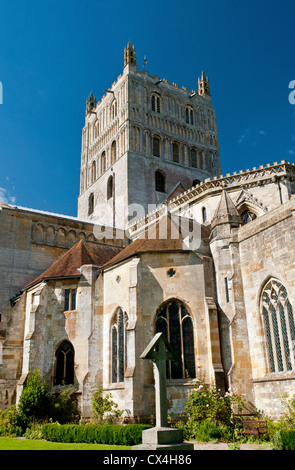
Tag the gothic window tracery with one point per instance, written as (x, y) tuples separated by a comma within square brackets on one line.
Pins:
[(247, 216), (279, 326), (64, 371), (175, 322), (119, 346)]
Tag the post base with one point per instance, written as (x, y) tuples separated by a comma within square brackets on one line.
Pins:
[(163, 439)]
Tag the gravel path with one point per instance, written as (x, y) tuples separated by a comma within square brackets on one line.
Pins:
[(224, 446)]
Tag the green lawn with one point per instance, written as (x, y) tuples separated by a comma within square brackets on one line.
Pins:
[(9, 443)]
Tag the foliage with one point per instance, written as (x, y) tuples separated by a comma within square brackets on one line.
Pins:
[(284, 440), (64, 406), (34, 402), (8, 443), (131, 434), (288, 420), (10, 422), (212, 415), (104, 407)]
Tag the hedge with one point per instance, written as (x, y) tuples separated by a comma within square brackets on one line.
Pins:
[(130, 434), (284, 440)]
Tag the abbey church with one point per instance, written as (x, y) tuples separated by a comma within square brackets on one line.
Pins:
[(162, 242)]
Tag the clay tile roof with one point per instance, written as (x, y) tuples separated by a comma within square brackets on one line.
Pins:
[(155, 239), (80, 254)]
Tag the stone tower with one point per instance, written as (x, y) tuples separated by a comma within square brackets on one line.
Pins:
[(144, 142)]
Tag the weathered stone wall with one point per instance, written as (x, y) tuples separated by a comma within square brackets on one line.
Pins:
[(267, 251)]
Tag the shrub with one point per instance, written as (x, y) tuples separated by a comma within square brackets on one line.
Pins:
[(34, 402), (219, 413), (131, 434), (11, 423), (104, 407), (64, 406), (284, 440)]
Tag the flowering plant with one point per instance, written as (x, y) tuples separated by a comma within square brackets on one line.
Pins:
[(207, 403)]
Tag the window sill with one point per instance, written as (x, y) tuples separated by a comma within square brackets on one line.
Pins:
[(275, 377)]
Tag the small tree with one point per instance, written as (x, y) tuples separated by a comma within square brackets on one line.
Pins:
[(34, 402), (104, 405)]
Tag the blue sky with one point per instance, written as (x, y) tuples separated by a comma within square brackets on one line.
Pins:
[(53, 53)]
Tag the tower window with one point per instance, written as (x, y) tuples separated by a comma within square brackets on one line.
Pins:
[(175, 152), (194, 158), (91, 204), (156, 103), (160, 181), (113, 152), (156, 146), (204, 214), (64, 373), (103, 162), (114, 109), (110, 188), (189, 116), (174, 320), (93, 172)]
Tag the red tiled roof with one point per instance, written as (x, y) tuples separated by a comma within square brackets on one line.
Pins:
[(80, 254), (156, 239)]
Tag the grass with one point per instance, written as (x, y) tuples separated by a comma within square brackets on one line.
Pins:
[(10, 443)]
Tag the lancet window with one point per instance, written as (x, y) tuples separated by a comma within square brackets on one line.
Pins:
[(119, 346)]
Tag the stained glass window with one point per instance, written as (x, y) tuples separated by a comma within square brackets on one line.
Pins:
[(175, 322), (279, 326), (119, 346)]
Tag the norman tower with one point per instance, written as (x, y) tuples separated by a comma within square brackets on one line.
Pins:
[(145, 141)]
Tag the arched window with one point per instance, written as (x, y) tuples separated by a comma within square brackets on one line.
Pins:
[(114, 109), (279, 326), (175, 322), (156, 103), (64, 370), (93, 176), (91, 204), (189, 116), (119, 346), (113, 152), (156, 146), (248, 216), (194, 157), (204, 214), (103, 162), (96, 129), (110, 188), (160, 181), (175, 152)]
